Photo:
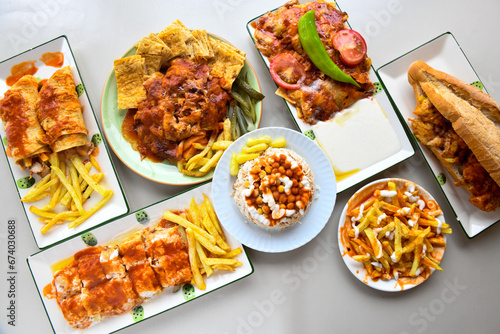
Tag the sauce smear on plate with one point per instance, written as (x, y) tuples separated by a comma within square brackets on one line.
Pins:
[(19, 70), (54, 59)]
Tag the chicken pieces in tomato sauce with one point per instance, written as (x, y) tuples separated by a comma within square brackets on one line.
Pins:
[(184, 102)]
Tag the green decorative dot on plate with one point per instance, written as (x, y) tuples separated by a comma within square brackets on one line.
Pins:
[(478, 84), (441, 178), (96, 139), (89, 239), (138, 313), (25, 182), (142, 217), (80, 89), (310, 134), (378, 87), (4, 139), (188, 291)]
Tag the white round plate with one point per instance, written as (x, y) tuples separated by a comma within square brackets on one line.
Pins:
[(294, 236), (357, 268)]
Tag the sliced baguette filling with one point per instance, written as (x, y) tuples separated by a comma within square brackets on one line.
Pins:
[(436, 133)]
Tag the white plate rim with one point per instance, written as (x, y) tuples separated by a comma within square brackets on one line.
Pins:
[(292, 237), (356, 268)]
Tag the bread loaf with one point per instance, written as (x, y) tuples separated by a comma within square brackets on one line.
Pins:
[(474, 115), (475, 127)]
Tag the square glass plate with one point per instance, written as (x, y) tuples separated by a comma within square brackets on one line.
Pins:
[(444, 54), (41, 262), (405, 151), (117, 205)]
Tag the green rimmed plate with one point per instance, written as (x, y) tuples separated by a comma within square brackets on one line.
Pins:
[(445, 54), (348, 178), (43, 263), (117, 205), (163, 172)]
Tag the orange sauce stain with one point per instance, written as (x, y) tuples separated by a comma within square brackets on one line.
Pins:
[(55, 59), (19, 70), (49, 291)]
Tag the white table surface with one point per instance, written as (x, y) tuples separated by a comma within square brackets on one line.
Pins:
[(308, 289)]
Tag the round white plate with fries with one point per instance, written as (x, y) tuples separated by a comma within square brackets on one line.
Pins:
[(294, 236), (163, 172), (392, 234)]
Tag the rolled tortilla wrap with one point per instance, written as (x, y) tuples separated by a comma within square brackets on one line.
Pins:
[(60, 112), (25, 137)]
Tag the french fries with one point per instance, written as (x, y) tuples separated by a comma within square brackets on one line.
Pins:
[(395, 233), (69, 184), (207, 248), (253, 148), (200, 154)]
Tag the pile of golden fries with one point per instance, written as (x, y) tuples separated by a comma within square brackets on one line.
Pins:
[(70, 185), (208, 250), (200, 155), (253, 148), (395, 233)]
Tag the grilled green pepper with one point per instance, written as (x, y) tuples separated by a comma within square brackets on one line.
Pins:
[(309, 38)]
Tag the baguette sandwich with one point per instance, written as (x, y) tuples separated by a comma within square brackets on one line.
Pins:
[(460, 124)]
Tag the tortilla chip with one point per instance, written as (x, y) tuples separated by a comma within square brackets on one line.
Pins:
[(201, 45), (206, 42), (152, 64), (152, 36), (147, 46), (225, 45), (130, 73), (167, 55), (226, 63), (154, 51), (177, 37)]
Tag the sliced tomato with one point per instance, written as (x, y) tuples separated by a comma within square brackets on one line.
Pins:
[(351, 45), (286, 71)]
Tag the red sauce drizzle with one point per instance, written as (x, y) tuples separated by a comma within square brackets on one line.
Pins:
[(20, 70), (54, 59)]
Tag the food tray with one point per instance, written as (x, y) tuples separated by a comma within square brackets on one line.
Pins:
[(445, 54)]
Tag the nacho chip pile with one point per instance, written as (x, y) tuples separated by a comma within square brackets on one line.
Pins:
[(155, 52)]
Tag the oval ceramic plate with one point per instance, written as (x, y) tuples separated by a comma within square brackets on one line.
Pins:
[(357, 268), (163, 172), (294, 236)]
